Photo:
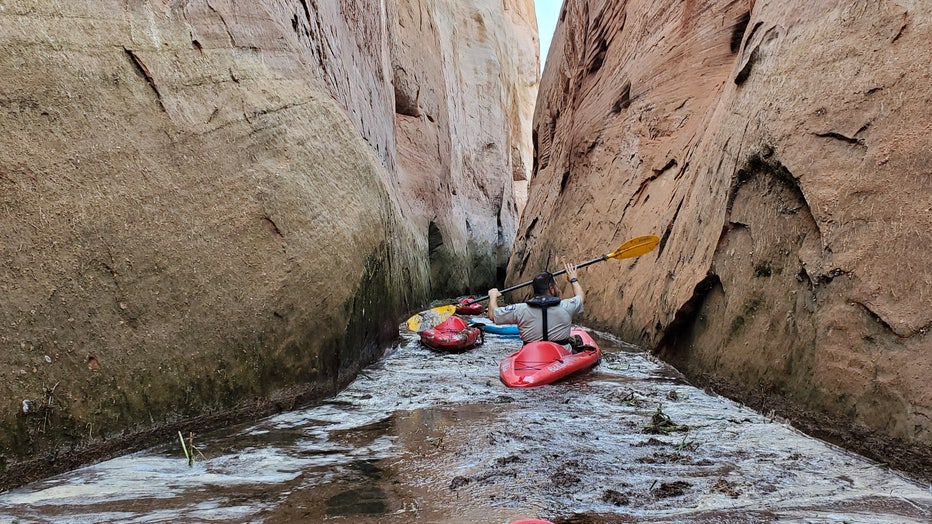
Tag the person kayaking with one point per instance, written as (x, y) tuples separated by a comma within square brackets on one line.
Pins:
[(544, 316)]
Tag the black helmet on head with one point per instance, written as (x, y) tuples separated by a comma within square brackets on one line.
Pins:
[(542, 283)]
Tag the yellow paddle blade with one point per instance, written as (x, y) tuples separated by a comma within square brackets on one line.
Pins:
[(635, 247), (430, 318)]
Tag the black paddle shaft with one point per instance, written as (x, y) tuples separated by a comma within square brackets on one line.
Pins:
[(528, 283)]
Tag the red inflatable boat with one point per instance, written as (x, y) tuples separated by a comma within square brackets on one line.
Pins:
[(540, 363), (467, 307), (452, 335)]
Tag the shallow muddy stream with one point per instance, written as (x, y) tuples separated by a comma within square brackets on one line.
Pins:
[(428, 437)]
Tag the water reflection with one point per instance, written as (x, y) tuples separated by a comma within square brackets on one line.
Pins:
[(428, 437)]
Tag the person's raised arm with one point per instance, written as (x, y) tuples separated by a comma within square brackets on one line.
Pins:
[(493, 303), (573, 279)]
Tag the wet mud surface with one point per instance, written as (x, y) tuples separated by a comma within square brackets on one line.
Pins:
[(427, 437)]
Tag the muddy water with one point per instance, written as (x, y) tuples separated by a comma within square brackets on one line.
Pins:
[(427, 437)]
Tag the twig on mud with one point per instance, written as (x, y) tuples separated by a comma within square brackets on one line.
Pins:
[(49, 394), (688, 446), (629, 399), (661, 424), (189, 449)]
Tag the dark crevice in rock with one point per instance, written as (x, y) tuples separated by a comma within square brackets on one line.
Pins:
[(624, 99), (754, 30), (307, 11), (530, 228), (596, 63), (902, 28), (535, 162), (434, 238), (670, 164), (738, 30), (681, 171), (439, 261), (404, 104), (144, 71), (274, 226), (745, 71), (843, 138), (669, 229), (685, 316), (249, 115)]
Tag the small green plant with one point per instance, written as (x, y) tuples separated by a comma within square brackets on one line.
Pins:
[(189, 448), (184, 448)]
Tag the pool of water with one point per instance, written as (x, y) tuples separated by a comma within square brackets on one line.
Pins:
[(422, 436)]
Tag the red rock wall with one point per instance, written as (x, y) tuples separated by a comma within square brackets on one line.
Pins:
[(781, 152), (204, 212)]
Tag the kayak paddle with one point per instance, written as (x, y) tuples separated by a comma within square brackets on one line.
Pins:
[(632, 248), (430, 318)]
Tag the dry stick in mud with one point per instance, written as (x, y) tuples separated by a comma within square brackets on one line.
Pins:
[(632, 248), (189, 449)]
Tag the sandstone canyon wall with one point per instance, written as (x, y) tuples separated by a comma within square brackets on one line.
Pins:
[(781, 151), (458, 154), (209, 207)]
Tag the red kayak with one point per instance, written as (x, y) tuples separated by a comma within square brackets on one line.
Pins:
[(540, 363), (467, 307), (452, 335)]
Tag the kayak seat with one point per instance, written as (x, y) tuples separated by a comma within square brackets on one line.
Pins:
[(540, 353)]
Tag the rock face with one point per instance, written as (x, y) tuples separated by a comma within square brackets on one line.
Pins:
[(211, 208), (781, 152), (459, 155)]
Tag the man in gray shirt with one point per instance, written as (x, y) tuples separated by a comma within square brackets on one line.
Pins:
[(544, 316)]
